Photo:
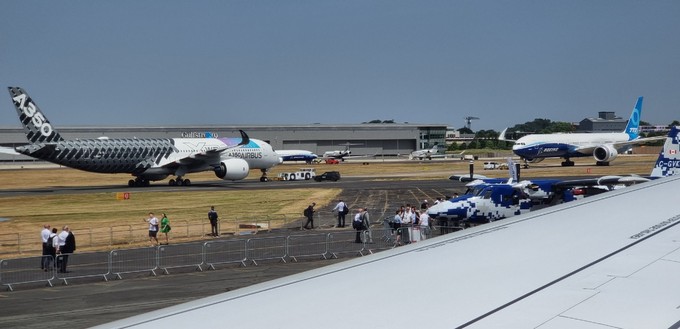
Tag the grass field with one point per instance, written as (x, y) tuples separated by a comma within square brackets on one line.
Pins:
[(102, 215)]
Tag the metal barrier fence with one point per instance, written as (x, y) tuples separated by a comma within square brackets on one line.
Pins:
[(82, 265), (307, 245), (208, 254), (266, 249), (180, 255), (124, 261), (121, 235), (26, 270), (224, 252)]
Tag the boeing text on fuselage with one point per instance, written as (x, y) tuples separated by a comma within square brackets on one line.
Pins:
[(603, 147)]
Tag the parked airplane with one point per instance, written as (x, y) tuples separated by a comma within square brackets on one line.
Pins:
[(148, 159), (489, 199), (297, 155), (604, 147), (610, 261), (340, 154), (432, 153)]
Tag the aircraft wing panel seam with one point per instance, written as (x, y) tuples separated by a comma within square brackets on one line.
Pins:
[(601, 259)]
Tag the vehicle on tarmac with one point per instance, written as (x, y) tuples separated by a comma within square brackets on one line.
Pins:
[(329, 175), (302, 174)]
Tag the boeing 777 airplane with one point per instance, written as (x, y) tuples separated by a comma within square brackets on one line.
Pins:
[(147, 159), (297, 155), (604, 147)]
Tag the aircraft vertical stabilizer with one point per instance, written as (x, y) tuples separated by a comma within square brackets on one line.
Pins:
[(38, 129), (633, 126), (668, 163)]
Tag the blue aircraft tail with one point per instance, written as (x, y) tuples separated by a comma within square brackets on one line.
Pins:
[(668, 163), (633, 127), (38, 129)]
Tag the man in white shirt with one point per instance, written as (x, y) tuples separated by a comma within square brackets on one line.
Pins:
[(342, 209), (424, 224), (44, 235), (153, 228)]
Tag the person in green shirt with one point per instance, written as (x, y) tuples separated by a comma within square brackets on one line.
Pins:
[(165, 226)]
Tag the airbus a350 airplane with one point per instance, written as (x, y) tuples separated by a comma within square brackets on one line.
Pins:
[(297, 155), (148, 159), (604, 147)]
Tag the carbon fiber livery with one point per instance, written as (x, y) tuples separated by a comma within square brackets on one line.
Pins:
[(147, 159)]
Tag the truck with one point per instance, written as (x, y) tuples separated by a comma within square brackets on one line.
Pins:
[(302, 174)]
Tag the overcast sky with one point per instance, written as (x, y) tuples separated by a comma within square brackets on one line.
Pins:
[(165, 62)]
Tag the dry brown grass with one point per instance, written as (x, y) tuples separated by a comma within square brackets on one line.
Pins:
[(98, 212)]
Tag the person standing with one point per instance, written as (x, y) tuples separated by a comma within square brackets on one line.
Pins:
[(44, 235), (424, 224), (52, 246), (342, 209), (396, 225), (358, 225), (213, 217), (366, 221), (67, 248), (165, 227), (309, 213), (153, 228)]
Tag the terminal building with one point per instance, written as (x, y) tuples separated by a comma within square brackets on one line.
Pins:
[(380, 139)]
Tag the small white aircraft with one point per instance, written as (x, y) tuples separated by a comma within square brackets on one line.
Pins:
[(604, 147), (432, 154), (147, 159), (426, 154), (341, 154)]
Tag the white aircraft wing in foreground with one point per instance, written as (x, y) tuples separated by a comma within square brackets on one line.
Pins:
[(609, 261)]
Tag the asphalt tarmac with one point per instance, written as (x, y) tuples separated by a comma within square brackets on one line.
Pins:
[(92, 301)]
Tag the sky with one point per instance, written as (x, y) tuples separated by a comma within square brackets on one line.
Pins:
[(162, 63)]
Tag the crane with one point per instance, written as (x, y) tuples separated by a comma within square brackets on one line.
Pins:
[(468, 121)]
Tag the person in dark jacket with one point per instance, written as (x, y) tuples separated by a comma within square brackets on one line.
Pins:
[(67, 249), (309, 213)]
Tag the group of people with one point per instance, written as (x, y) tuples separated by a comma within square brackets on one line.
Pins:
[(409, 216), (56, 248), (156, 226)]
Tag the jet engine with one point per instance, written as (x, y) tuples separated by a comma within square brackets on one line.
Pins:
[(232, 169), (605, 153), (535, 160)]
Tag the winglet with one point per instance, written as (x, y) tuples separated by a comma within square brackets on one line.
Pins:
[(38, 129), (501, 137), (244, 138), (633, 126), (668, 163)]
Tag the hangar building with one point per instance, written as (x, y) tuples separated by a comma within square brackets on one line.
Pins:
[(386, 139)]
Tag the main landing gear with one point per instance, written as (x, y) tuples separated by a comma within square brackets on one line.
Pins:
[(264, 177), (567, 163), (138, 182), (179, 182)]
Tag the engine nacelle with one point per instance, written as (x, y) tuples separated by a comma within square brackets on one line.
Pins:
[(605, 153), (535, 160), (232, 169)]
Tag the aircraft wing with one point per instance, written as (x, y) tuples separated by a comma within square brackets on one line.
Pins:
[(195, 157), (588, 149), (8, 150)]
